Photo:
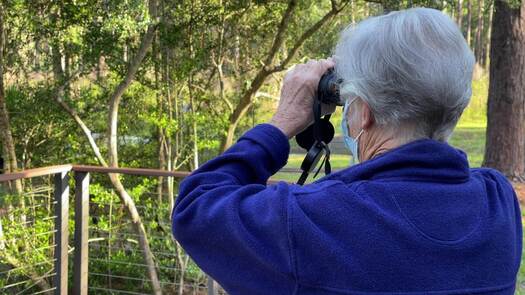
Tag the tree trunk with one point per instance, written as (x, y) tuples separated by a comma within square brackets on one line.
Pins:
[(505, 144), (241, 110), (138, 226), (469, 22), (168, 147), (488, 36), (193, 129), (479, 32), (459, 16), (162, 164), (8, 143), (161, 139), (101, 67), (124, 197), (352, 12), (390, 5), (195, 138), (11, 165), (113, 147)]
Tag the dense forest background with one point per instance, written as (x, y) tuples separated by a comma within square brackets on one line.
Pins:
[(170, 84)]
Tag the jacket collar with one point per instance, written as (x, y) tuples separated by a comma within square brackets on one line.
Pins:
[(423, 159)]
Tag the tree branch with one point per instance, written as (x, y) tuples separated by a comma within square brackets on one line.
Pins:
[(113, 119), (124, 84), (218, 68), (334, 4), (279, 37), (6, 136), (114, 102), (268, 69), (307, 34), (73, 113)]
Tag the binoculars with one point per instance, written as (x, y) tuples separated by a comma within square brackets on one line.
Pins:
[(328, 89), (316, 137)]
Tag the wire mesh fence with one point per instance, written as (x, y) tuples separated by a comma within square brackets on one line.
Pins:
[(40, 255), (116, 258), (27, 237)]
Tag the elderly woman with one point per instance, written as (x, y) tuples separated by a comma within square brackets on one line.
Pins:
[(410, 218)]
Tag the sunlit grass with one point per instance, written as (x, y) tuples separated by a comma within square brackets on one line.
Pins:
[(520, 283), (295, 160), (469, 139), (472, 141), (475, 115)]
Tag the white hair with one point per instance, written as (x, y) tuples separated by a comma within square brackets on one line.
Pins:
[(411, 67)]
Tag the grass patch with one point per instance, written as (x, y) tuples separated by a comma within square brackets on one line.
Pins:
[(472, 141), (337, 161), (295, 160), (475, 115), (469, 139), (520, 283)]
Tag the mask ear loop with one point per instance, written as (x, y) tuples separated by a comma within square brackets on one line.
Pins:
[(359, 135), (345, 110)]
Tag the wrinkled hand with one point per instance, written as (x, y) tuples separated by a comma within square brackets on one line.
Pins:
[(294, 113)]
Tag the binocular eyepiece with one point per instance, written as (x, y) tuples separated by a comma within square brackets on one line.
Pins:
[(328, 88)]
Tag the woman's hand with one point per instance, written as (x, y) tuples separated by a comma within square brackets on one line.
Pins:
[(294, 113)]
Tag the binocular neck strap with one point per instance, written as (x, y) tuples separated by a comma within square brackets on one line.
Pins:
[(318, 128), (319, 143)]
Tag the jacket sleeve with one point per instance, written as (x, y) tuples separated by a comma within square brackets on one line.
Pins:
[(231, 223)]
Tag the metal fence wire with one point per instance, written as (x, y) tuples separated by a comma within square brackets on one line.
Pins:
[(116, 260), (57, 241), (28, 237)]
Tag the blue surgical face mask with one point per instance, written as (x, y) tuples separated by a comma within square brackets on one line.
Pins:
[(351, 143)]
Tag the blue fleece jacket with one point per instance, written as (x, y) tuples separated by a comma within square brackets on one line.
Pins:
[(415, 220)]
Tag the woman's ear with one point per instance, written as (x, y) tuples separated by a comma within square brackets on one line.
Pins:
[(367, 116)]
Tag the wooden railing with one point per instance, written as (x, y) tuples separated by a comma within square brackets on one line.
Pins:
[(61, 197), (81, 234)]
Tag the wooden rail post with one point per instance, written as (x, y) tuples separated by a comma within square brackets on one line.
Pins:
[(61, 232), (80, 267)]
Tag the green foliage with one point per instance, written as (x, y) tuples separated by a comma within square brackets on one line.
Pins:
[(520, 281), (28, 246), (44, 135), (114, 247), (89, 45)]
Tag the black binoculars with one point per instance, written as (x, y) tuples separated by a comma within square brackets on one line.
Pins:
[(328, 88), (316, 137)]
